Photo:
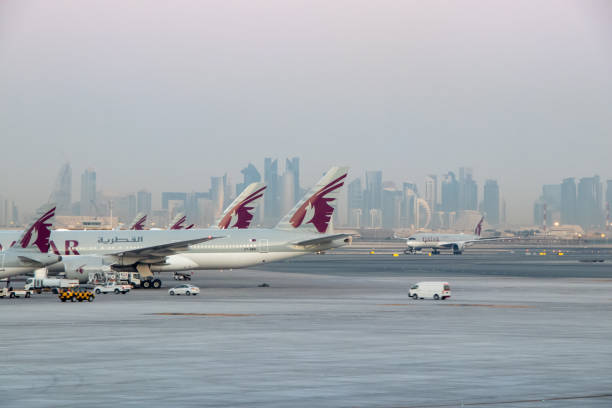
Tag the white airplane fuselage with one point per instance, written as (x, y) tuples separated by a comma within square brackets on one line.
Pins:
[(456, 242), (233, 248)]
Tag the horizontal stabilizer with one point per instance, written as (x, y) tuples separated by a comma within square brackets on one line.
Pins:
[(322, 240), (29, 261)]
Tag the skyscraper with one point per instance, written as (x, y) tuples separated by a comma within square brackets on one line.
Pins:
[(287, 193), (431, 192), (62, 191), (373, 194), (392, 208), (143, 202), (88, 193), (608, 202), (568, 201), (408, 206), (588, 202), (125, 207), (217, 191), (292, 166), (450, 193), (551, 194), (468, 190), (271, 197), (491, 201), (355, 203), (249, 175)]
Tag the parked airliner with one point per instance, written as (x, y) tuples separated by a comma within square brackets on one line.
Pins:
[(302, 231)]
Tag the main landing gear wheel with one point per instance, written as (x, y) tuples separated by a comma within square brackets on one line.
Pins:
[(156, 284)]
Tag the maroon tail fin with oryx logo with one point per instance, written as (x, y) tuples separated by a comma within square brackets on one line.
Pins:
[(139, 222), (177, 223), (239, 213), (314, 211), (37, 234), (478, 228)]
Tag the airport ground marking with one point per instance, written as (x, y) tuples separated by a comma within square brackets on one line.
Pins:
[(204, 314), (489, 305), (523, 401), (465, 305)]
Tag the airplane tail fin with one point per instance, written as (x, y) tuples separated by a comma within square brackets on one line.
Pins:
[(138, 224), (478, 228), (36, 236), (314, 212), (177, 222), (239, 213)]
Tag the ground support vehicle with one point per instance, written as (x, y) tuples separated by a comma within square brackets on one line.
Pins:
[(430, 290), (135, 279), (78, 294), (15, 293), (111, 287), (39, 284)]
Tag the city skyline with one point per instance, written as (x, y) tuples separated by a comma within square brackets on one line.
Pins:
[(483, 196), (418, 92)]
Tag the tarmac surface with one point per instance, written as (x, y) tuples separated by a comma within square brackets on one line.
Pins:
[(332, 331)]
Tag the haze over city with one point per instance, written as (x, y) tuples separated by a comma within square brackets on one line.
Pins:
[(164, 96)]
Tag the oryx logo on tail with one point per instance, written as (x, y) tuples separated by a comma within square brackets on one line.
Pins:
[(240, 216), (478, 228), (316, 210), (139, 224), (39, 232), (178, 224)]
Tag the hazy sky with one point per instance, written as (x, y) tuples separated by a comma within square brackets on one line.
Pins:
[(164, 94)]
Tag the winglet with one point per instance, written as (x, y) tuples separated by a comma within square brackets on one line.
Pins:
[(478, 228), (314, 211), (37, 234), (238, 214)]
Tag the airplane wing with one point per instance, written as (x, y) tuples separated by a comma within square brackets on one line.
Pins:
[(321, 240), (495, 239), (160, 251)]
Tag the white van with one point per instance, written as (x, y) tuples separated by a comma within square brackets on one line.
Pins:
[(430, 290)]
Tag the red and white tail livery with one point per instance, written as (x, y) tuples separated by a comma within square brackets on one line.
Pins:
[(139, 222), (239, 214), (178, 221), (37, 234), (315, 210)]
